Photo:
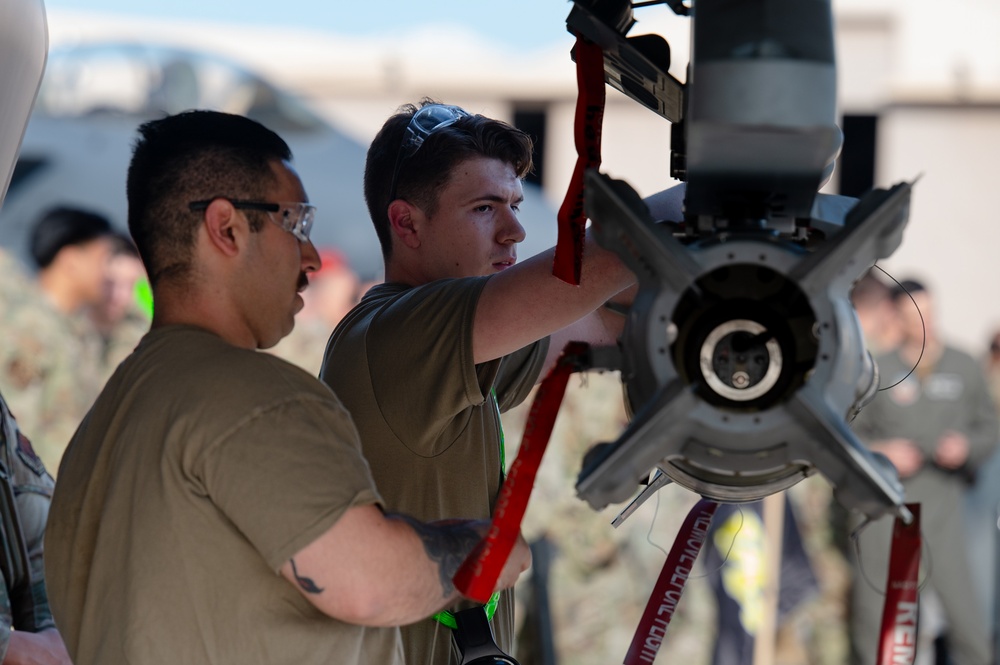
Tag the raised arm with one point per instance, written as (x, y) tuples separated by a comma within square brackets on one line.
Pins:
[(374, 569), (526, 303)]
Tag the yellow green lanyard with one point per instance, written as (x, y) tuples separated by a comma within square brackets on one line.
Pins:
[(444, 616)]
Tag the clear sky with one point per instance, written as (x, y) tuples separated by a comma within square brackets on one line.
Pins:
[(521, 23)]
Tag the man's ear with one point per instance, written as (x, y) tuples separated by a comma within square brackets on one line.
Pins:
[(405, 220), (224, 227)]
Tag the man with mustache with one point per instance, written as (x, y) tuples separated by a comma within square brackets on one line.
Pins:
[(214, 505)]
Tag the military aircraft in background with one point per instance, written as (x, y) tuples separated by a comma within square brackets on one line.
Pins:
[(78, 143)]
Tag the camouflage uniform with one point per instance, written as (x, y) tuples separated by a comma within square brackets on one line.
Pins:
[(122, 340), (15, 283), (23, 602), (50, 369), (820, 624)]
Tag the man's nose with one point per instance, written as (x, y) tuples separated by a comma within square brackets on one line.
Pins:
[(512, 228), (310, 257)]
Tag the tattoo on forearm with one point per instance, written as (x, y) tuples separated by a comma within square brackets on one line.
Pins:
[(447, 545), (306, 583)]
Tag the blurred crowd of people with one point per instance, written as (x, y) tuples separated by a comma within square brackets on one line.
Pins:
[(83, 305), (936, 421), (66, 324)]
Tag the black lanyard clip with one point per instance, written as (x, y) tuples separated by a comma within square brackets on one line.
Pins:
[(474, 638)]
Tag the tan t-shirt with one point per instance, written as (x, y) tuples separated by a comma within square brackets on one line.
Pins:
[(200, 470), (402, 363)]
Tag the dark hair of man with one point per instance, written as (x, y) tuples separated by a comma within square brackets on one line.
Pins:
[(423, 174), (193, 156), (907, 288), (61, 227)]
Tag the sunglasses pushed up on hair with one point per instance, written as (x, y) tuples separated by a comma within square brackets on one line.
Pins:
[(424, 122)]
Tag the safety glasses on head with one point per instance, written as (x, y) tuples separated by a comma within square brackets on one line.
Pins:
[(295, 217), (424, 122)]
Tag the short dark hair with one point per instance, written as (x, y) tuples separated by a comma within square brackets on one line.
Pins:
[(423, 174), (906, 288), (61, 227), (192, 156)]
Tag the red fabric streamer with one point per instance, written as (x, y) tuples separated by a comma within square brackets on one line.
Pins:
[(898, 642), (670, 584), (568, 260), (477, 577)]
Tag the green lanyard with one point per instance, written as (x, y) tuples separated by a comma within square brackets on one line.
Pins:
[(503, 452), (444, 616)]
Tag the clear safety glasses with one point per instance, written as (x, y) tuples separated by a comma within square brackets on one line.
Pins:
[(297, 218), (424, 122)]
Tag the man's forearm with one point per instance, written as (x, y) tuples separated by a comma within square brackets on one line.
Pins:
[(374, 569), (446, 545)]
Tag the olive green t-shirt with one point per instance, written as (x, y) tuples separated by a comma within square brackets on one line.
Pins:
[(199, 471), (402, 363)]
